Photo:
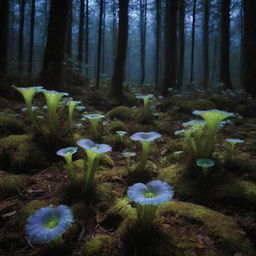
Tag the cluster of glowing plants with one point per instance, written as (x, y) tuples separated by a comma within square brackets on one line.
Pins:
[(52, 100), (94, 120), (145, 98), (49, 223), (147, 198), (232, 143), (67, 153), (146, 138), (94, 152)]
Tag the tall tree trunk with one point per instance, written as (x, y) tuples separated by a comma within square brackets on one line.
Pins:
[(45, 22), (103, 38), (54, 56), (32, 34), (99, 44), (181, 27), (81, 34), (158, 35), (4, 22), (193, 43), (143, 32), (206, 43), (225, 42), (114, 30), (21, 35), (118, 73), (249, 46), (87, 38), (170, 46)]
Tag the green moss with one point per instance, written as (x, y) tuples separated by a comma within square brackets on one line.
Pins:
[(144, 116), (122, 113), (237, 192), (95, 246), (104, 195), (219, 225), (116, 142), (28, 210), (79, 210), (11, 184), (18, 153), (10, 125), (115, 126)]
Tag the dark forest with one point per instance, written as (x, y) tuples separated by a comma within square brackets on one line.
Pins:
[(127, 127)]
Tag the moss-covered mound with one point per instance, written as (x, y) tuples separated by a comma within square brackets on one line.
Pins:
[(122, 113), (12, 184), (10, 125), (19, 154)]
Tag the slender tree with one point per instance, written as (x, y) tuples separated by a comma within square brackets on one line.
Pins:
[(81, 34), (4, 22), (158, 35), (170, 46), (21, 35), (32, 35), (87, 38), (193, 42), (143, 32), (225, 45), (103, 38), (99, 44), (249, 77), (181, 27), (118, 73), (114, 29), (54, 55), (206, 4)]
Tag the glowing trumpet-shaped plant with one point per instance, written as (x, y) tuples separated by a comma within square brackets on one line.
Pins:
[(94, 121), (145, 138), (93, 151), (49, 223), (232, 143), (145, 98), (121, 135), (205, 164), (71, 107), (52, 100), (147, 198), (28, 95), (212, 118), (67, 153)]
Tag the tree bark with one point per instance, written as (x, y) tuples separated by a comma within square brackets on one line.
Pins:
[(181, 27), (4, 23), (170, 46), (206, 44), (54, 56), (193, 43), (81, 34), (158, 35), (21, 35), (32, 35), (225, 45), (87, 38), (249, 77), (99, 45), (118, 73)]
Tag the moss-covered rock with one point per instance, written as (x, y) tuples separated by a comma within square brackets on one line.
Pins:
[(19, 154), (144, 116), (220, 226), (11, 184), (96, 245), (10, 125), (114, 126), (122, 113)]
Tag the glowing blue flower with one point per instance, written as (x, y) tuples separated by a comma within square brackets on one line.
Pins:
[(121, 133), (205, 162), (94, 116), (48, 223), (153, 193), (145, 136), (234, 141), (65, 151), (92, 146), (148, 96), (193, 123)]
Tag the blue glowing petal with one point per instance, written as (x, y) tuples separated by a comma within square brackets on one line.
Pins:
[(64, 151), (148, 96), (145, 136), (94, 116), (234, 141), (36, 227), (92, 146), (162, 191)]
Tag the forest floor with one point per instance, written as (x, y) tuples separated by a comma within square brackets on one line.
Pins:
[(206, 217)]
